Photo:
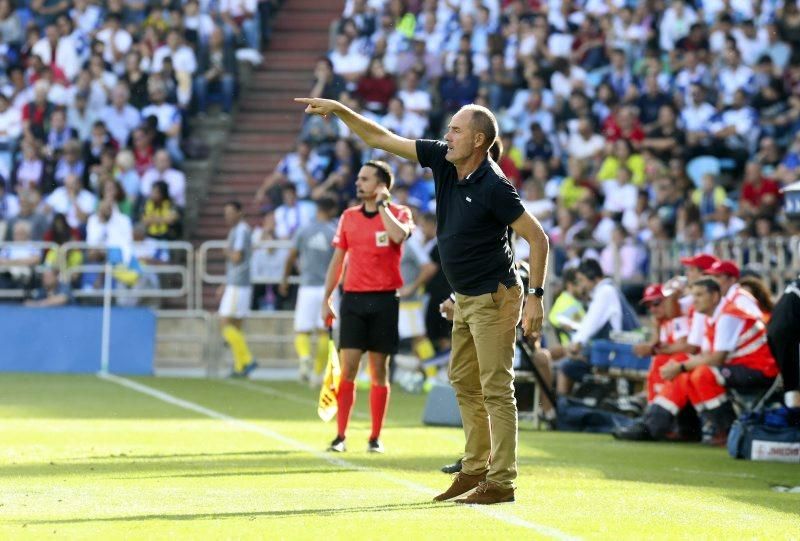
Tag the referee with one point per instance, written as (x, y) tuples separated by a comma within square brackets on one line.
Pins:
[(475, 207), (370, 236)]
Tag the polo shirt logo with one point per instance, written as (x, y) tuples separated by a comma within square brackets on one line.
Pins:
[(469, 199), (381, 239)]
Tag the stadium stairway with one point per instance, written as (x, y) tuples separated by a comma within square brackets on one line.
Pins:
[(266, 122)]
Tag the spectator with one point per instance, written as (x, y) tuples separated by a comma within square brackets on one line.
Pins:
[(73, 201), (585, 143), (112, 190), (292, 214), (302, 168), (216, 76), (459, 88), (52, 291), (136, 80), (241, 23), (10, 130), (160, 216), (168, 118), (622, 156), (58, 135), (59, 51), (109, 228), (70, 162), (709, 198), (29, 213), (665, 140), (60, 233), (143, 149), (402, 122), (29, 172), (759, 195), (414, 99), (183, 61), (116, 40), (36, 113), (120, 116), (18, 259), (9, 207), (376, 87), (347, 62), (327, 84), (162, 170), (10, 24)]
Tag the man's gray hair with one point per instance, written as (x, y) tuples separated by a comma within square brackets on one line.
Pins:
[(483, 121)]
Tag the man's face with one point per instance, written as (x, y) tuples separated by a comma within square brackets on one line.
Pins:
[(460, 138), (704, 300), (231, 215), (367, 183), (584, 285), (656, 308), (161, 161)]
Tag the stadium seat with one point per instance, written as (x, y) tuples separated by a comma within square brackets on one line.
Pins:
[(702, 165)]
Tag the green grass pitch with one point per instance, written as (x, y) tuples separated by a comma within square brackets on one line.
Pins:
[(87, 458)]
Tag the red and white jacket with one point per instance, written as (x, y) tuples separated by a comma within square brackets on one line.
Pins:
[(743, 335)]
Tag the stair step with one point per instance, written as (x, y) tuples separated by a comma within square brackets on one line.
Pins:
[(312, 42), (295, 19)]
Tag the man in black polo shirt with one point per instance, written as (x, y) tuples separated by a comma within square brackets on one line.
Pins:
[(475, 206)]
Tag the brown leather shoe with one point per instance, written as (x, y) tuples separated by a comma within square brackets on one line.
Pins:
[(488, 493), (463, 485)]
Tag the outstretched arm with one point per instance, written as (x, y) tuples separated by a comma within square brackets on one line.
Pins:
[(370, 132)]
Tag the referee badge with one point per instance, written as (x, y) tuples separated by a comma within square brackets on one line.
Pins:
[(381, 239)]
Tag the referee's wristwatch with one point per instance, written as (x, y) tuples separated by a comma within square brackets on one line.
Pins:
[(536, 291)]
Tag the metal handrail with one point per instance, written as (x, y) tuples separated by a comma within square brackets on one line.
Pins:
[(184, 271), (203, 276), (43, 246)]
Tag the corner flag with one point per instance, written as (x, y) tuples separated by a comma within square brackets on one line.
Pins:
[(328, 405)]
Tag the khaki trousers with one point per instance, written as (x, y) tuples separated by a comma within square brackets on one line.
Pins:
[(481, 360)]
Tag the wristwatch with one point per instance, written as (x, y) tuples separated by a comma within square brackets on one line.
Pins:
[(384, 203), (538, 291)]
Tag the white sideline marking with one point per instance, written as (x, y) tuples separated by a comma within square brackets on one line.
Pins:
[(300, 446)]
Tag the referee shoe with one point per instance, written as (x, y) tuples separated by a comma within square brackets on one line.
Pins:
[(375, 446)]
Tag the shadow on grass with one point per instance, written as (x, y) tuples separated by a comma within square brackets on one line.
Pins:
[(249, 473), (325, 511), (199, 465), (124, 456)]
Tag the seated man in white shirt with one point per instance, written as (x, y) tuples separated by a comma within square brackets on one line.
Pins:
[(162, 170), (17, 260), (348, 63), (71, 200), (404, 123), (608, 311), (120, 116), (108, 231)]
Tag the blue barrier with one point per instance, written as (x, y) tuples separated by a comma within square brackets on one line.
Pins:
[(607, 354), (67, 340)]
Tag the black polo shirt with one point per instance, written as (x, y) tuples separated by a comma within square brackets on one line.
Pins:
[(472, 218)]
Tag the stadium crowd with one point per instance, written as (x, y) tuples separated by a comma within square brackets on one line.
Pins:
[(621, 123), (95, 99)]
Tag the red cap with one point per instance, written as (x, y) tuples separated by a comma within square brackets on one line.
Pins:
[(701, 261), (653, 292), (726, 266)]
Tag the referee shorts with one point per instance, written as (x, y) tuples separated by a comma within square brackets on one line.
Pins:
[(369, 321)]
